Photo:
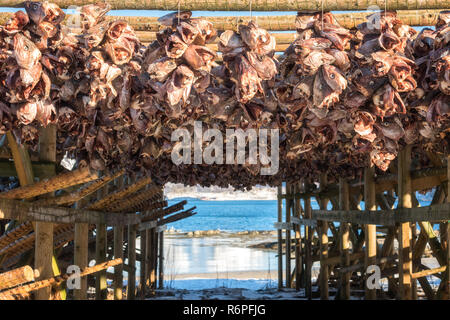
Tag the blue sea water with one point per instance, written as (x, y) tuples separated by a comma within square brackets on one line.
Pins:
[(240, 215)]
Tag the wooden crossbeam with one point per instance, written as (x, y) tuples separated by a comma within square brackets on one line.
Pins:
[(22, 211), (428, 272), (440, 212), (257, 5), (52, 184)]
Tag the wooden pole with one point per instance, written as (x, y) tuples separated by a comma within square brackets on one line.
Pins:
[(323, 237), (280, 238), (161, 260), (288, 236), (344, 204), (44, 261), (308, 249), (405, 201), (101, 290), (131, 292), (16, 277), (143, 244), (448, 230), (298, 242), (118, 253), (257, 5), (370, 231), (81, 254)]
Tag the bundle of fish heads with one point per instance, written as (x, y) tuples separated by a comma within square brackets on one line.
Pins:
[(95, 125), (28, 43), (429, 104)]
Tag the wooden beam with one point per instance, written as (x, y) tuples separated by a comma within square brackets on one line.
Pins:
[(40, 169), (131, 292), (257, 5), (143, 262), (308, 249), (280, 238), (100, 253), (287, 233), (428, 272), (50, 184), (370, 231), (81, 254), (323, 238), (438, 212), (25, 211), (405, 201), (298, 241), (344, 204), (118, 253)]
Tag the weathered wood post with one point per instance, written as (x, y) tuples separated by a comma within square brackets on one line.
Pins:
[(448, 230), (298, 240), (161, 260), (405, 201), (323, 237), (143, 262), (101, 290), (43, 254), (344, 204), (280, 238), (118, 252), (288, 234), (131, 292), (308, 248), (81, 251), (370, 231)]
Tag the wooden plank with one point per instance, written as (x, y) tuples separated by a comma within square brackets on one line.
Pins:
[(370, 231), (280, 238), (405, 201), (344, 204), (323, 241)]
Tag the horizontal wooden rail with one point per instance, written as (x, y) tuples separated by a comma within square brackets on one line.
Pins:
[(182, 215), (271, 23), (22, 211), (438, 212), (17, 277), (40, 169), (256, 5)]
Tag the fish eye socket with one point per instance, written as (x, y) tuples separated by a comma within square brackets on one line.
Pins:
[(34, 6), (332, 76), (25, 47)]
